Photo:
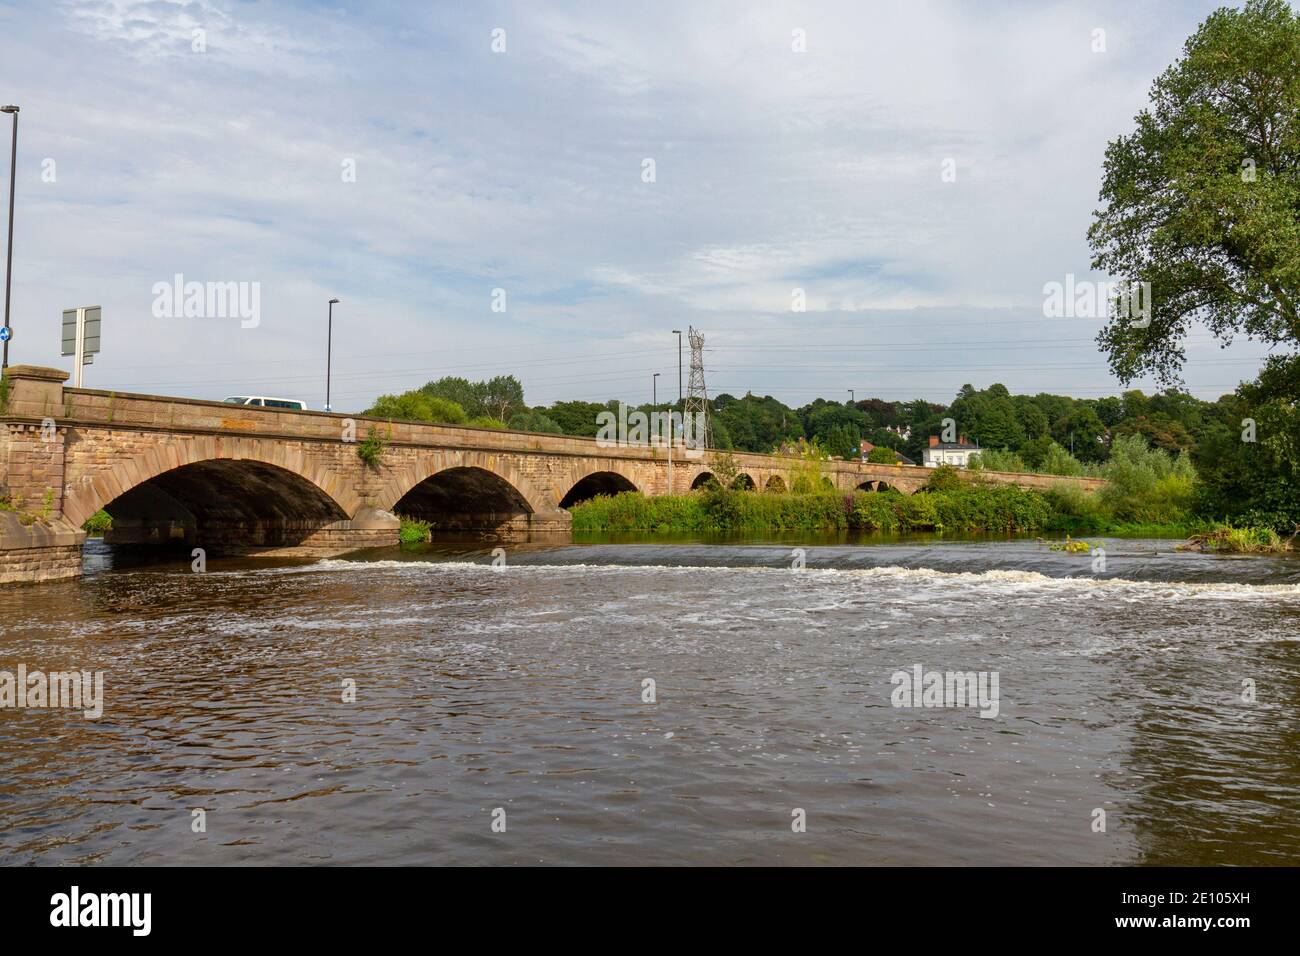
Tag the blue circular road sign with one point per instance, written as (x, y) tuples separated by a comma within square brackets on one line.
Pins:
[(6, 334)]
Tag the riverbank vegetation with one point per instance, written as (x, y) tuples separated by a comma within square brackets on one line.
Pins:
[(1170, 460), (1151, 496), (1225, 539)]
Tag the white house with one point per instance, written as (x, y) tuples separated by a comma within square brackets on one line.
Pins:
[(955, 453)]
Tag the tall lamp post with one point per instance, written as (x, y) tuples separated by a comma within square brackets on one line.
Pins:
[(9, 257), (678, 333), (852, 398), (329, 348), (654, 390)]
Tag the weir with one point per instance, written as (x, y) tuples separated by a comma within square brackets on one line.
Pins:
[(246, 480)]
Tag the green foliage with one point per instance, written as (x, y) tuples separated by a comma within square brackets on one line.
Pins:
[(944, 478), (838, 426), (534, 420), (486, 421), (807, 461), (1000, 509), (578, 418), (502, 395), (1057, 461), (989, 416), (371, 448), (994, 459), (1075, 511), (1226, 538), (1081, 429), (440, 399), (1147, 484), (468, 395), (1201, 199), (721, 498), (417, 407), (882, 456), (98, 523), (1071, 546), (12, 502), (413, 530), (751, 423)]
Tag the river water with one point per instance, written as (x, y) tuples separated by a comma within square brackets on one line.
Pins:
[(517, 695)]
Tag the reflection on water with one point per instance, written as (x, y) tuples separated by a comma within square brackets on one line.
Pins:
[(521, 688)]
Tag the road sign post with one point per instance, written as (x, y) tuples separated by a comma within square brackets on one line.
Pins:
[(81, 337)]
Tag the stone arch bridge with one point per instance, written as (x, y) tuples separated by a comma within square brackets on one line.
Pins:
[(236, 479)]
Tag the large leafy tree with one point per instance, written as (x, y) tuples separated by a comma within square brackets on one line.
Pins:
[(988, 416), (468, 395), (1202, 199), (502, 395)]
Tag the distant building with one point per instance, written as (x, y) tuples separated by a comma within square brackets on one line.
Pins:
[(955, 453)]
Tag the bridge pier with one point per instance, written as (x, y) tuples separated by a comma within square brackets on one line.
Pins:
[(39, 551)]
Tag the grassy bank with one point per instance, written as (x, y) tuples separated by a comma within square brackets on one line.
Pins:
[(960, 508), (1002, 509)]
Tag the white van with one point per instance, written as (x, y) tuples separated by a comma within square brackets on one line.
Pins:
[(261, 401)]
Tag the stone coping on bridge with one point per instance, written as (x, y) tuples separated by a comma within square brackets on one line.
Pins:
[(35, 395)]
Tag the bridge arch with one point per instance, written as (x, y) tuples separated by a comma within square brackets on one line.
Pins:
[(775, 485), (742, 482), (461, 490), (702, 479), (597, 483), (277, 481)]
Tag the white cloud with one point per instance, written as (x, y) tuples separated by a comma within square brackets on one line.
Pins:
[(522, 170)]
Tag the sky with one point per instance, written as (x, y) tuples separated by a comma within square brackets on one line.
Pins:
[(549, 189)]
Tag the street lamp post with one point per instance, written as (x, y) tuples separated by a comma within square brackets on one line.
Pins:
[(678, 333), (9, 256), (852, 398), (329, 348), (654, 391)]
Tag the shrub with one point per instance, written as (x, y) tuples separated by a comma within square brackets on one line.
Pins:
[(1147, 484), (1075, 511), (371, 449), (418, 407), (995, 459), (413, 530), (1226, 538), (534, 421), (1058, 461), (98, 523), (945, 478)]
